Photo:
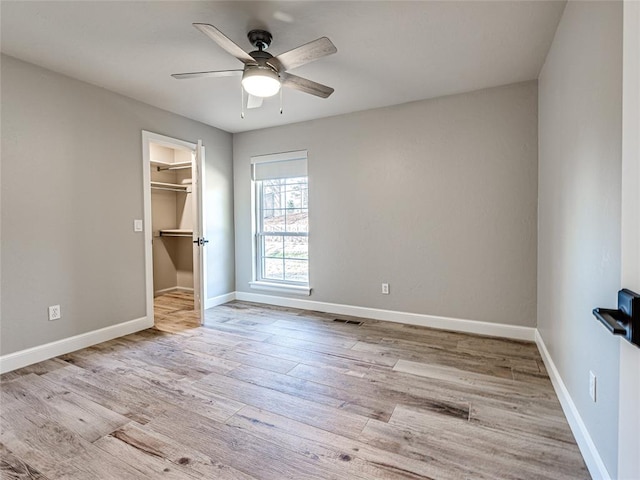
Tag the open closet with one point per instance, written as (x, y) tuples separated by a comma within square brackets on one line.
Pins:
[(176, 245), (172, 219)]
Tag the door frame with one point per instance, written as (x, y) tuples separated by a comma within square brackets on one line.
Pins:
[(629, 380), (170, 142)]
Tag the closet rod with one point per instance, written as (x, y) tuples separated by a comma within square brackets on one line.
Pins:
[(182, 167), (171, 189)]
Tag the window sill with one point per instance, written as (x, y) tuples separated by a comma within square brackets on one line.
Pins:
[(281, 288)]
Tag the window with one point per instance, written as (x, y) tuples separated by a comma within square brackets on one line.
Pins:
[(283, 226), (282, 220)]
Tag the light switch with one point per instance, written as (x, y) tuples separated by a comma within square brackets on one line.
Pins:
[(137, 225)]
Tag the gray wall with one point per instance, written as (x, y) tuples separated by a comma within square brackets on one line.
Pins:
[(436, 197), (71, 187), (579, 209)]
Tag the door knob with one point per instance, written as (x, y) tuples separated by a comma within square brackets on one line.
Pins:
[(625, 320)]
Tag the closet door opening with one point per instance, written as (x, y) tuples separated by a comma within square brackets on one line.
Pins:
[(174, 244)]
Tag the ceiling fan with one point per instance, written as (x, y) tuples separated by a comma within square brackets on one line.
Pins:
[(263, 74)]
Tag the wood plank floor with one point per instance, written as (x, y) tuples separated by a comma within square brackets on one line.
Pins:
[(275, 393)]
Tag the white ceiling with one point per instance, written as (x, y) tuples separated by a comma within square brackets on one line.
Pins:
[(389, 52)]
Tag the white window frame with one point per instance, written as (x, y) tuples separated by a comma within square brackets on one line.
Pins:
[(259, 283)]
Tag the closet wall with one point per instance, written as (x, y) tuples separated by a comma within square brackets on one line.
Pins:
[(171, 211)]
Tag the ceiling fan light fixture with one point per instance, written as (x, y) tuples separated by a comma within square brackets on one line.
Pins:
[(260, 81)]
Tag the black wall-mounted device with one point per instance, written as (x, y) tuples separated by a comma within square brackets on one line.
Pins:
[(625, 320)]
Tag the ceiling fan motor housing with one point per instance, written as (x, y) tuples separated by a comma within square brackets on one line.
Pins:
[(264, 60)]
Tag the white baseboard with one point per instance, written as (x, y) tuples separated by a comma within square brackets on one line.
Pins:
[(29, 356), (172, 289), (444, 323), (583, 439), (219, 300)]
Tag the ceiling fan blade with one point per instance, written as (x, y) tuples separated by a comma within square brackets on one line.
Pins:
[(225, 42), (217, 73), (305, 85), (306, 53), (254, 102)]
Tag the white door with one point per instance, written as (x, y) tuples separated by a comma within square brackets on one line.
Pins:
[(199, 240), (629, 408)]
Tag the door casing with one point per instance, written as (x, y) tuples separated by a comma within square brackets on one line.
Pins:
[(199, 227)]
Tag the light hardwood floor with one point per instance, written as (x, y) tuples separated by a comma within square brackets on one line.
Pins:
[(274, 393)]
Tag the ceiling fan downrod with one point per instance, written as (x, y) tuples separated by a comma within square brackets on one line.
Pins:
[(260, 39)]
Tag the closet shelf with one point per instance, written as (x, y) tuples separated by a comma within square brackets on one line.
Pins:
[(175, 187), (170, 166), (176, 233)]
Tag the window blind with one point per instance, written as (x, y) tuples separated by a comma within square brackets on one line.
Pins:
[(279, 165)]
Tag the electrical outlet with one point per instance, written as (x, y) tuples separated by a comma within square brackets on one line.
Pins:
[(54, 312), (385, 289), (592, 385)]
